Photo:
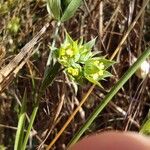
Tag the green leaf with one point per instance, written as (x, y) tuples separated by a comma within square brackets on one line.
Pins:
[(90, 44), (105, 75), (70, 10), (85, 51), (65, 3), (21, 124), (85, 56), (90, 68), (146, 128), (92, 80), (68, 39), (55, 51), (49, 76), (107, 62), (95, 53), (54, 8)]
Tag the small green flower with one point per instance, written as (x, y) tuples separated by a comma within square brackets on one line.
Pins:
[(96, 62), (95, 76), (73, 71), (68, 52), (80, 62), (101, 73), (101, 65), (95, 69)]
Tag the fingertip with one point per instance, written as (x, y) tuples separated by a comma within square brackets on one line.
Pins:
[(113, 140)]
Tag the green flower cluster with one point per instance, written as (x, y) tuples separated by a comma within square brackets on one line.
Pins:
[(81, 63)]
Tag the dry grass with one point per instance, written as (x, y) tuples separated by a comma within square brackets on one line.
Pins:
[(108, 21)]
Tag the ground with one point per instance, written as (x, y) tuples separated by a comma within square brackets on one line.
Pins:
[(107, 21)]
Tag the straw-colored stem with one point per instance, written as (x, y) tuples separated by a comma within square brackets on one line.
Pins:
[(70, 118)]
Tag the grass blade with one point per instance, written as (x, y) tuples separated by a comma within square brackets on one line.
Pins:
[(50, 74), (48, 78), (110, 95), (21, 124), (32, 118), (145, 129)]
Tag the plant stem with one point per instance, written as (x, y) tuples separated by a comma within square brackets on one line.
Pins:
[(110, 95), (37, 98), (32, 118)]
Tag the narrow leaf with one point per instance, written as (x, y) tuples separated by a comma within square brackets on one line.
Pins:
[(85, 56), (65, 3), (89, 68), (92, 80), (146, 128), (32, 118), (70, 10), (21, 123), (68, 39), (49, 76), (54, 8), (90, 44)]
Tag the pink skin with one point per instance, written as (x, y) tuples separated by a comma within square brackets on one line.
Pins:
[(113, 141)]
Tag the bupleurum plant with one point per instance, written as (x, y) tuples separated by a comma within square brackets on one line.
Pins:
[(80, 63)]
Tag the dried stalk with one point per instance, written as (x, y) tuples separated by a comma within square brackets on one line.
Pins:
[(8, 72)]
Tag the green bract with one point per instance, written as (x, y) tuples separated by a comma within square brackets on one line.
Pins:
[(95, 69), (62, 10), (80, 62)]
